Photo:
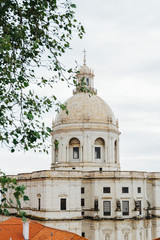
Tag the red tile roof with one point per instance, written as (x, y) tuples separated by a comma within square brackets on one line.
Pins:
[(13, 228)]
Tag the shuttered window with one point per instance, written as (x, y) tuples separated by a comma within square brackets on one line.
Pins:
[(82, 190), (107, 208), (106, 190), (125, 208), (82, 202), (125, 190)]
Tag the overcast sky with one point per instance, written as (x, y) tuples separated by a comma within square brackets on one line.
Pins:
[(122, 41)]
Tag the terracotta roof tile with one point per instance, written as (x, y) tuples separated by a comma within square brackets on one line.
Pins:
[(13, 228)]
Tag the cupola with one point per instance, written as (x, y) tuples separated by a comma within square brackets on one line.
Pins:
[(85, 75)]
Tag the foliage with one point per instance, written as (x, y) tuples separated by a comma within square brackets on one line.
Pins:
[(56, 144), (29, 31), (11, 195)]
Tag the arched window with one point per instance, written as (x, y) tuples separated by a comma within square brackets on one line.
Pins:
[(107, 237), (74, 145), (87, 81), (140, 235), (99, 149), (115, 151), (126, 237), (39, 201)]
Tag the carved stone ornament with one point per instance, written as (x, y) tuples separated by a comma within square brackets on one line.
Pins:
[(118, 205), (137, 207)]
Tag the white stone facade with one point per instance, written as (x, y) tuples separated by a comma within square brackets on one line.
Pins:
[(85, 191)]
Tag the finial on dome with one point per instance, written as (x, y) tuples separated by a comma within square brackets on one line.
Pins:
[(84, 59)]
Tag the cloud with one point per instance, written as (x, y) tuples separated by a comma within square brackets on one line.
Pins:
[(122, 42)]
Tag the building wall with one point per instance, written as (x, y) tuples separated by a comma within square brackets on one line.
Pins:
[(51, 186)]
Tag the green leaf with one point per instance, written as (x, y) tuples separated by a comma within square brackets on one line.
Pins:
[(49, 129), (26, 84), (15, 141), (30, 116), (25, 198), (37, 134), (6, 212), (73, 5)]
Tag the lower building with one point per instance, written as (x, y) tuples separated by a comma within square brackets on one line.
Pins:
[(15, 229)]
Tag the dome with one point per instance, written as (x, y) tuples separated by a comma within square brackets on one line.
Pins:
[(85, 108), (85, 69)]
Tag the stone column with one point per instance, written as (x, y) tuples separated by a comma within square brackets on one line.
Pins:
[(137, 235), (96, 232), (106, 154), (85, 149), (63, 153), (118, 151), (80, 154), (53, 154), (148, 229), (156, 197), (136, 230), (112, 150), (67, 149), (118, 231)]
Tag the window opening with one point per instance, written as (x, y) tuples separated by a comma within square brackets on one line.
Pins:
[(63, 203), (125, 208), (82, 190), (107, 208), (106, 190), (107, 237), (126, 236), (97, 152), (125, 190), (76, 152), (87, 81), (139, 189), (82, 202), (39, 204), (83, 234)]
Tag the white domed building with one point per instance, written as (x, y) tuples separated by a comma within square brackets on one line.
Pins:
[(85, 191)]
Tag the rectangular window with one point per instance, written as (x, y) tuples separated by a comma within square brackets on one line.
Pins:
[(82, 202), (83, 234), (63, 203), (125, 208), (97, 153), (140, 207), (107, 208), (125, 190), (139, 189), (75, 152), (106, 190), (82, 190)]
